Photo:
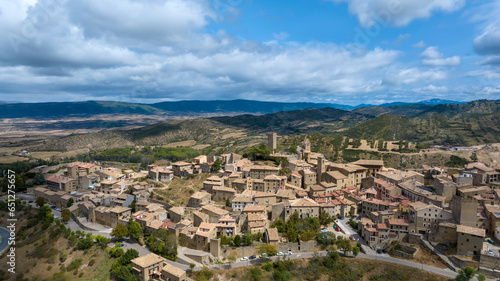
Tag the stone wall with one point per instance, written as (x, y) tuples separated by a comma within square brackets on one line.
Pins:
[(406, 252), (463, 262), (296, 247), (487, 261), (239, 251)]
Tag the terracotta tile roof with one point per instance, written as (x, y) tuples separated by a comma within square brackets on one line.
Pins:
[(173, 270), (272, 233), (471, 230), (147, 260), (401, 222)]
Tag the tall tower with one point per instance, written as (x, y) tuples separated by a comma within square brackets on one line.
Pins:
[(464, 210), (320, 168), (272, 141), (307, 145)]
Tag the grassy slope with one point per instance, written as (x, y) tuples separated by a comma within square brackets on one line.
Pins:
[(38, 251), (365, 269)]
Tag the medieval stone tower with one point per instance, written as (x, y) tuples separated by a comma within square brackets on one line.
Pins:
[(320, 168), (464, 210), (272, 141)]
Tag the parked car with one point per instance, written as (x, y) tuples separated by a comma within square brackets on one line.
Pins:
[(289, 253), (324, 230), (253, 257), (384, 251), (58, 209), (379, 251), (244, 259), (341, 217), (490, 251), (279, 254), (351, 238), (491, 241)]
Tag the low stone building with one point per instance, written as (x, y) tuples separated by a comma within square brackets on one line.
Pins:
[(199, 199), (172, 273), (148, 267), (470, 240)]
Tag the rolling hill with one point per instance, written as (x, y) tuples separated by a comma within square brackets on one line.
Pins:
[(473, 123), (186, 108)]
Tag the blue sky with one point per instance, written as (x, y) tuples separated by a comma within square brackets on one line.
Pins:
[(339, 51)]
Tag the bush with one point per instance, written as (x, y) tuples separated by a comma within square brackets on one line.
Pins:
[(63, 257), (91, 262), (74, 265), (255, 274), (267, 266)]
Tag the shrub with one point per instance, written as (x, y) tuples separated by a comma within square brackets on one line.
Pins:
[(63, 257), (74, 265), (91, 262)]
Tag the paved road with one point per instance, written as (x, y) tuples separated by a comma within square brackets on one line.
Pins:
[(4, 236)]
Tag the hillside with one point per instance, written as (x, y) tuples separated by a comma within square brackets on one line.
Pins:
[(46, 250), (478, 123), (65, 109), (386, 127), (293, 122), (467, 110), (403, 110), (186, 108)]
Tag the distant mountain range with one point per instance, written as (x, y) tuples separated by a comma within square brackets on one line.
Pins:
[(471, 123), (197, 108)]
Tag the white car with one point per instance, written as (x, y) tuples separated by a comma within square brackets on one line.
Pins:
[(289, 253), (244, 259), (279, 254)]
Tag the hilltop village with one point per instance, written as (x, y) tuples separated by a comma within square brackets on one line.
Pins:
[(244, 204)]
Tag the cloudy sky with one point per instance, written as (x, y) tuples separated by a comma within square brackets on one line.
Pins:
[(339, 51)]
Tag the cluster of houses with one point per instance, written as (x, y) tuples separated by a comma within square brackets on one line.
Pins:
[(450, 206)]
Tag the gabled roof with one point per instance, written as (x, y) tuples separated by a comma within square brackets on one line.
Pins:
[(147, 260)]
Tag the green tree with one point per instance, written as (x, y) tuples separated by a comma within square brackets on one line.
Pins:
[(120, 231), (326, 238), (344, 244), (40, 201), (481, 277), (325, 218), (465, 274), (66, 215), (355, 250), (260, 151), (102, 241), (255, 274), (39, 179), (291, 234), (270, 250), (70, 202), (135, 229), (217, 166), (237, 241), (247, 239)]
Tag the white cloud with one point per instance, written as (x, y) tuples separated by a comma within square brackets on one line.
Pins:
[(413, 75), (398, 13), (281, 36), (432, 57), (420, 44), (402, 38), (431, 89), (488, 42)]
